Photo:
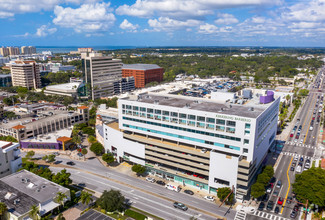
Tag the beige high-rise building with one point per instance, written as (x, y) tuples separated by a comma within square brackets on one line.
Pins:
[(26, 73), (4, 51), (28, 50), (100, 73), (13, 50)]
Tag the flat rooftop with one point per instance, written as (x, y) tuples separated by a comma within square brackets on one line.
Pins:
[(140, 66), (65, 87), (34, 186), (50, 137), (251, 109)]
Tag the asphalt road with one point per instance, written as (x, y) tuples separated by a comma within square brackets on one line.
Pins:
[(144, 195), (305, 146)]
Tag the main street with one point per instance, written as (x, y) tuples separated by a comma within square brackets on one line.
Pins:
[(146, 196), (302, 145)]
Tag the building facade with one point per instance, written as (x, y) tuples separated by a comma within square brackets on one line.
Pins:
[(26, 73), (10, 158), (126, 84), (13, 51), (28, 50), (196, 142), (4, 51), (100, 73), (5, 80), (143, 73)]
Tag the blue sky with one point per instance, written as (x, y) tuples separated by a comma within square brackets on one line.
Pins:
[(162, 23)]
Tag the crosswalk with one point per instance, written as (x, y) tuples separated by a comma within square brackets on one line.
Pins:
[(240, 215), (301, 145), (268, 216), (294, 154)]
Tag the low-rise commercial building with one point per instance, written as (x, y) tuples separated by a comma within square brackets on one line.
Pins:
[(205, 144), (143, 73), (42, 120), (21, 190), (75, 89), (9, 157)]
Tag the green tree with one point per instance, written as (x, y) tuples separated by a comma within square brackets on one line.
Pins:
[(92, 139), (51, 158), (111, 201), (60, 217), (88, 130), (97, 148), (84, 151), (77, 139), (34, 212), (108, 158), (138, 169), (85, 198), (60, 197), (310, 185), (45, 157), (257, 190), (223, 193), (30, 154), (62, 178), (3, 209), (263, 178), (303, 92), (269, 171)]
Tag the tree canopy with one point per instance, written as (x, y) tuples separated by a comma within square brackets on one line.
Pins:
[(62, 178), (111, 201), (310, 185), (258, 188), (223, 193), (139, 169), (108, 158), (97, 148)]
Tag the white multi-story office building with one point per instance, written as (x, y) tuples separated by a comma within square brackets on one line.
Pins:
[(196, 142), (26, 73), (10, 160), (100, 74)]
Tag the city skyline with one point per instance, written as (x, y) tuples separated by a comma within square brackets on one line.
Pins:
[(163, 23)]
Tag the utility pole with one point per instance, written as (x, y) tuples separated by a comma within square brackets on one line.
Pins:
[(232, 190), (306, 212)]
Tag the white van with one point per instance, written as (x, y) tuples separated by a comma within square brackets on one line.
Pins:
[(173, 186), (311, 128)]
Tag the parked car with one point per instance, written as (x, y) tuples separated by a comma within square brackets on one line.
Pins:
[(296, 208), (180, 206), (261, 206), (210, 198), (275, 193), (279, 184), (270, 205), (160, 182), (276, 210), (289, 200), (301, 159), (280, 201), (190, 192), (71, 163), (292, 169), (150, 179), (265, 197), (293, 214)]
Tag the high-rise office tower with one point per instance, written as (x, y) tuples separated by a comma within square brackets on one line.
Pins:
[(100, 73), (26, 73)]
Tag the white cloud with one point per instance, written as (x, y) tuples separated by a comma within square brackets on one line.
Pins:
[(8, 8), (126, 25), (87, 18), (226, 19), (181, 10), (168, 24), (208, 29), (44, 30)]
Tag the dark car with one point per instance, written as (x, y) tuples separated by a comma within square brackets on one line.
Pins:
[(190, 192), (270, 205), (180, 206), (289, 200), (301, 159), (276, 210), (265, 198), (307, 161), (275, 193), (296, 208), (293, 214), (159, 182), (292, 169), (71, 163), (273, 179), (261, 206)]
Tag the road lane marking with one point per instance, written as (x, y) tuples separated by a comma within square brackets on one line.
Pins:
[(306, 119), (284, 202)]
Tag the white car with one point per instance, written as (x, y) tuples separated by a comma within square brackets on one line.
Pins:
[(296, 158), (149, 179), (301, 141), (307, 165), (298, 169), (210, 198)]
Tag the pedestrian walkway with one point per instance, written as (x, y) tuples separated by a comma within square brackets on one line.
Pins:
[(301, 145), (240, 215), (268, 215), (294, 154)]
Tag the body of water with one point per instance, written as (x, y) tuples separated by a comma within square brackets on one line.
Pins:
[(40, 49)]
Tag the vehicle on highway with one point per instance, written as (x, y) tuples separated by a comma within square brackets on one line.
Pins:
[(210, 198), (160, 182), (150, 179), (280, 201), (276, 210), (181, 206), (190, 192), (261, 206), (71, 163), (311, 128), (270, 205), (279, 184)]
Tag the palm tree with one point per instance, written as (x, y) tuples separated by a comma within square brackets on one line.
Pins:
[(85, 198), (60, 197), (34, 211), (3, 209)]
